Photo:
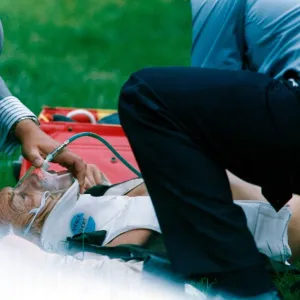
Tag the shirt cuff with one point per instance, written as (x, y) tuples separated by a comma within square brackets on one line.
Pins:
[(11, 110)]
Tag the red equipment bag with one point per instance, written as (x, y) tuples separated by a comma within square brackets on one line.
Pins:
[(90, 149)]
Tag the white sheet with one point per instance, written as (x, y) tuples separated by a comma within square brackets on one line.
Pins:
[(27, 272)]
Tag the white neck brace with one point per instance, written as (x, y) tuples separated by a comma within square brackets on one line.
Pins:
[(112, 213)]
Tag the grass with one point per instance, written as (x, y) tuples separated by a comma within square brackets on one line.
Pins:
[(79, 53)]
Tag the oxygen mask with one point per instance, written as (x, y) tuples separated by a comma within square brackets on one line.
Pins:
[(38, 187)]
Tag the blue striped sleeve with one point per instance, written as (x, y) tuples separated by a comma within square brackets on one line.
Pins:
[(11, 110)]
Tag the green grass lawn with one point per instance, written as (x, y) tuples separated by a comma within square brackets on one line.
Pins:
[(79, 52)]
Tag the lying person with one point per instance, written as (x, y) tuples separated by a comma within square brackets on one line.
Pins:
[(47, 209)]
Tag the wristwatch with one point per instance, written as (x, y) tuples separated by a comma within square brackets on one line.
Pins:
[(13, 128)]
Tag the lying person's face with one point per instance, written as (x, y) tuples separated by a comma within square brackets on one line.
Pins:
[(15, 208), (17, 203)]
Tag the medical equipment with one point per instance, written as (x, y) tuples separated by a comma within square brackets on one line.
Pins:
[(115, 214), (40, 186), (56, 151), (36, 211), (41, 181)]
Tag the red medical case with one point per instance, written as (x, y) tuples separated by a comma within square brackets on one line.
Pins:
[(90, 149)]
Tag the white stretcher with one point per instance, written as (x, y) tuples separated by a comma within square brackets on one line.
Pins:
[(27, 272)]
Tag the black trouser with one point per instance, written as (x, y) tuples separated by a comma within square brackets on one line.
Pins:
[(186, 126)]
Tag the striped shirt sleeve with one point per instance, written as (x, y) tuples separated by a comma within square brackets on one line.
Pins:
[(11, 110)]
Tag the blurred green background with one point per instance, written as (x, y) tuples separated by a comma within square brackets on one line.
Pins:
[(79, 52)]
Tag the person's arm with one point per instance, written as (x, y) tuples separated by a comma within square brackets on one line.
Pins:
[(218, 34), (277, 195), (242, 190)]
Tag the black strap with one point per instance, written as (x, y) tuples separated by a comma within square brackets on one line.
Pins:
[(100, 189), (97, 190), (92, 242)]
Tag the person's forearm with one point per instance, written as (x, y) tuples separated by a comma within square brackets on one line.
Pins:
[(135, 237), (140, 190), (242, 190)]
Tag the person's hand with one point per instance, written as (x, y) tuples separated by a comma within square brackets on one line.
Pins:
[(36, 145), (94, 177)]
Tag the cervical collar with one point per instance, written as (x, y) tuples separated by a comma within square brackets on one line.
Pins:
[(55, 229), (74, 214)]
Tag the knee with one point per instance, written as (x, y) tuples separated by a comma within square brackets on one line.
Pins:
[(135, 88), (143, 73), (138, 78)]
